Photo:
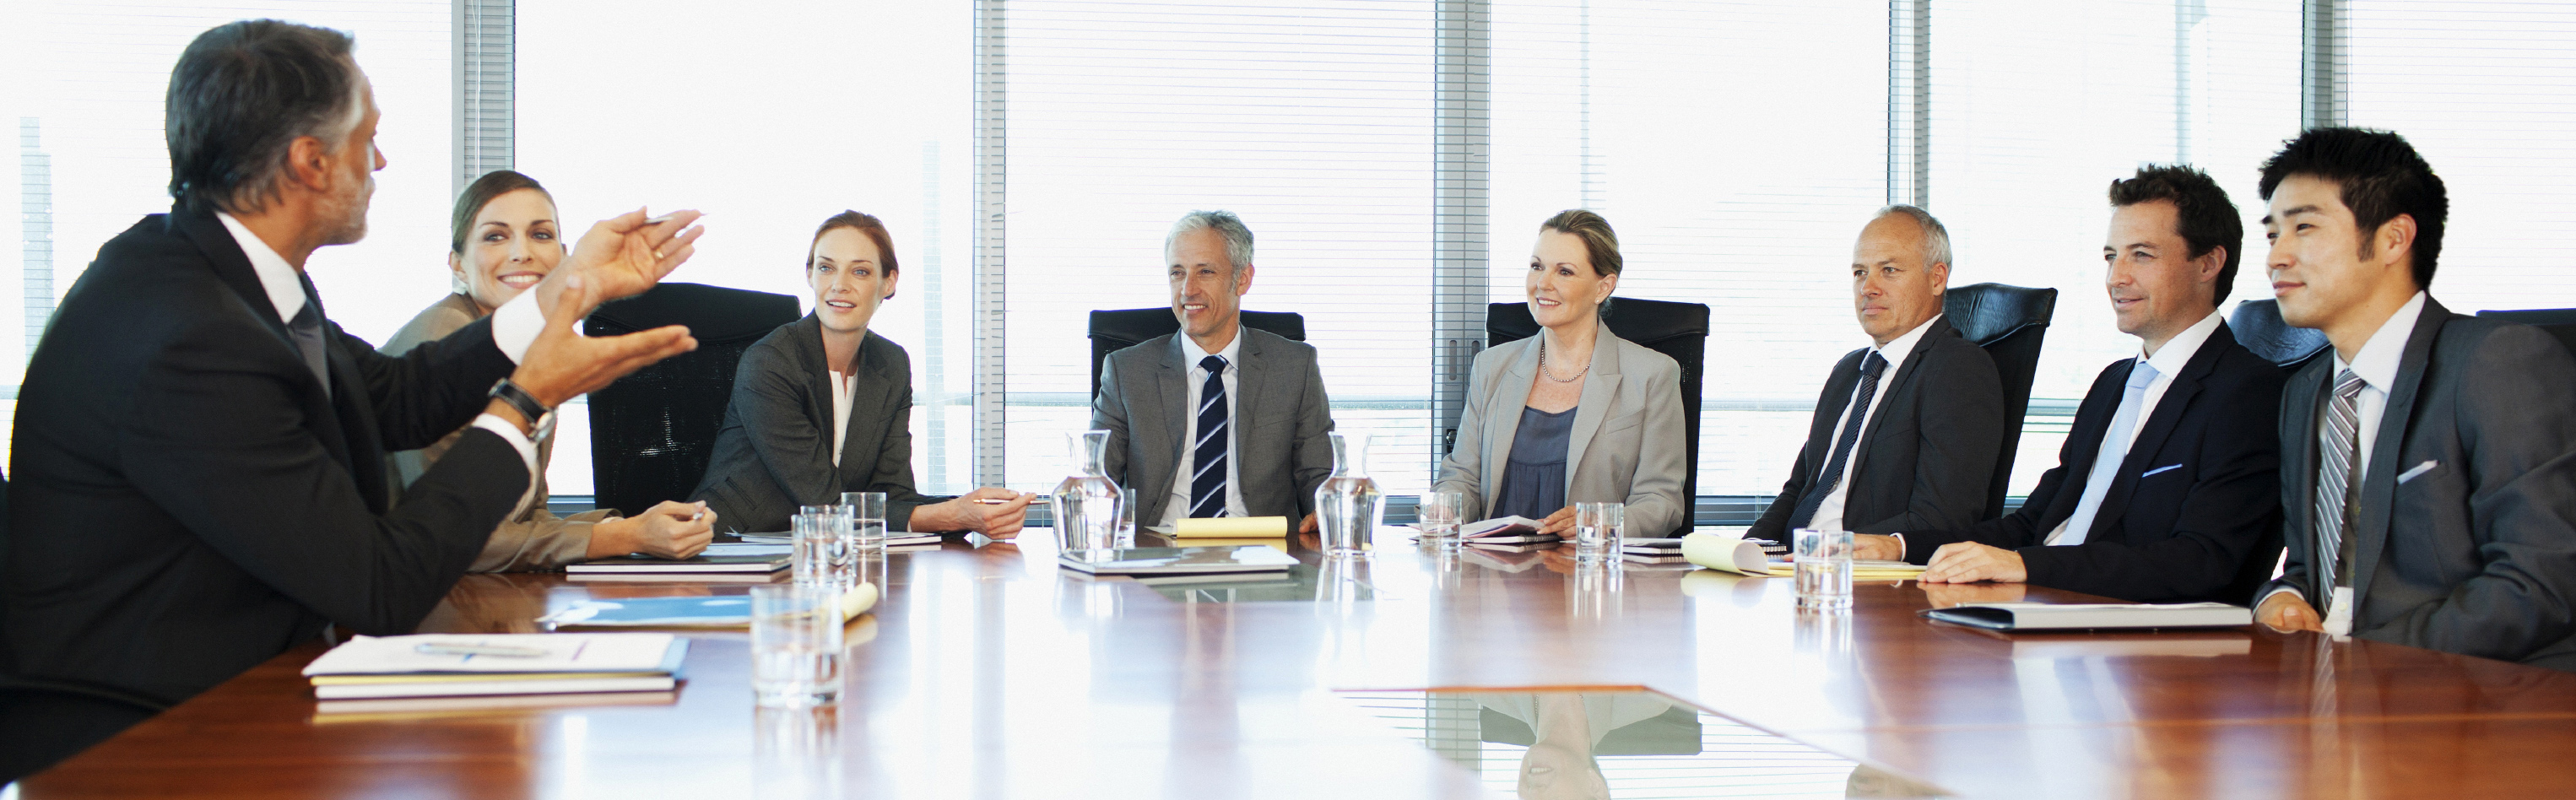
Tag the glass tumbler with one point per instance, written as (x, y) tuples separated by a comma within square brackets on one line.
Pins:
[(1824, 567), (823, 555), (795, 645), (1439, 515), (867, 511), (1596, 530)]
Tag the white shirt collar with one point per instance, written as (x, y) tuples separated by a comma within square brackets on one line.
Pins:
[(2377, 361), (280, 279), (1190, 347), (2179, 349), (1896, 350)]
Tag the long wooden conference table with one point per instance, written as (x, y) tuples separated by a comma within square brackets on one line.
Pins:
[(987, 672)]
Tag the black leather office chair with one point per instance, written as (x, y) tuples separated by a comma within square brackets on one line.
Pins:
[(2559, 322), (652, 432), (1112, 331), (1679, 330), (2009, 322), (2257, 325)]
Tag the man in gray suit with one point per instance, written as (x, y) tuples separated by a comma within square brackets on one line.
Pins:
[(1218, 420), (2428, 468)]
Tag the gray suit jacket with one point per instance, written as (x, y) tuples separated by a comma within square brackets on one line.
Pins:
[(1280, 417), (1628, 439), (774, 452), (1925, 457), (2476, 553)]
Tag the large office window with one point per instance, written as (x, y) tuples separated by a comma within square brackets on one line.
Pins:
[(1310, 119), (2036, 107), (2487, 91), (1737, 148), (770, 118)]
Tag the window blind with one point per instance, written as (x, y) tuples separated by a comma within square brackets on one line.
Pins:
[(1312, 120), (2487, 92), (1737, 148)]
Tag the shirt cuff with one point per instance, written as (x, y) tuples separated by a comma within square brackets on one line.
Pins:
[(1900, 545), (516, 325)]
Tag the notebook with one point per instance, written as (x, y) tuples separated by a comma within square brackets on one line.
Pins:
[(1177, 560), (2064, 616), (395, 666), (1498, 526), (764, 559)]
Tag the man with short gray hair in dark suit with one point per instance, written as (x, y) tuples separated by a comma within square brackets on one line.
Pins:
[(2428, 467), (1218, 420)]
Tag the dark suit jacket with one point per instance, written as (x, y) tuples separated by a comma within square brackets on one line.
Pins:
[(2475, 554), (2206, 525), (1925, 458), (1280, 412), (774, 452), (188, 502)]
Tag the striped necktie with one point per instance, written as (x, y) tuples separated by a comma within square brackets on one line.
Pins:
[(1207, 463), (2339, 449)]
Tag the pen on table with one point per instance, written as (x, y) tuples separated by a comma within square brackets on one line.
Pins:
[(459, 649), (995, 501)]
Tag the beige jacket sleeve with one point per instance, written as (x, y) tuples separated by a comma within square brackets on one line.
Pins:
[(533, 539)]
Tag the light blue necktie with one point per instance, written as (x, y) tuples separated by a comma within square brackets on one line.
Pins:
[(2115, 449)]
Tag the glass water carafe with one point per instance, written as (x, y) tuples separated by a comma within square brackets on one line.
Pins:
[(1086, 503), (1348, 506)]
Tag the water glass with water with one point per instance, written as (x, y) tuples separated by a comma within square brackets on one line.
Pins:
[(1596, 529), (795, 645), (823, 555), (867, 512), (1439, 515), (1126, 517), (1824, 567)]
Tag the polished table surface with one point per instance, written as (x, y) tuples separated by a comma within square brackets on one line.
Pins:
[(987, 672)]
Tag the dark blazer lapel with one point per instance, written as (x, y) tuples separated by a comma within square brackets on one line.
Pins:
[(348, 399), (805, 340), (1898, 387), (1827, 422), (2300, 397), (2379, 477), (232, 266), (2084, 443), (1172, 388), (2158, 427)]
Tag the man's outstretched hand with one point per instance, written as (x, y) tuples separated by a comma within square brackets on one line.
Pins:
[(624, 255), (563, 364)]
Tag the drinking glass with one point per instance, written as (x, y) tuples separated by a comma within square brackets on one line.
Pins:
[(867, 511), (1126, 517), (795, 645), (823, 555), (1439, 515), (1824, 567), (1596, 529)]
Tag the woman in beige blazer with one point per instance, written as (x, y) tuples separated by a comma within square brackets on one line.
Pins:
[(1574, 414), (505, 241)]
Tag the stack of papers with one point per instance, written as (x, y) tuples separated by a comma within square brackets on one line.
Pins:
[(1863, 569), (454, 665), (1505, 530), (1166, 561), (2048, 616), (1748, 557), (1652, 551)]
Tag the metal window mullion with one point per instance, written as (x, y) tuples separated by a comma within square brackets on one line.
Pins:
[(486, 37), (992, 182), (1909, 102), (2325, 81), (1462, 153)]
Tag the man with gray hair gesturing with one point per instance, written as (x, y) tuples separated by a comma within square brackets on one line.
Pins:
[(199, 450), (1907, 430), (1217, 420)]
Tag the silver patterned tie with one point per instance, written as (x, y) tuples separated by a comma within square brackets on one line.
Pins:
[(2339, 447)]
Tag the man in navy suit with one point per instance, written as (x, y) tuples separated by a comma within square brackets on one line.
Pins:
[(2168, 487)]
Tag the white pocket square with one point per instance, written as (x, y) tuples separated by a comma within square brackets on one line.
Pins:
[(2418, 471), (2162, 469)]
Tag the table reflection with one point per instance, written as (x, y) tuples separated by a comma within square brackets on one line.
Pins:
[(1562, 745)]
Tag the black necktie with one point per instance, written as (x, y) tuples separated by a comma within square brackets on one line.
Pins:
[(307, 329), (1207, 464), (1862, 393)]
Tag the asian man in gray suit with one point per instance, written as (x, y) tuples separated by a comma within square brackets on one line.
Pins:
[(1218, 420), (2428, 468)]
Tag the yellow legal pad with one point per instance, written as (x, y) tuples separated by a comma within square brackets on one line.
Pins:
[(1232, 528)]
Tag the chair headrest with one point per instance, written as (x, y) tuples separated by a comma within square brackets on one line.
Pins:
[(2258, 326), (1985, 313)]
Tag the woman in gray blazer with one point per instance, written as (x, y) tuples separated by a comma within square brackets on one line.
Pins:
[(823, 406), (1574, 414)]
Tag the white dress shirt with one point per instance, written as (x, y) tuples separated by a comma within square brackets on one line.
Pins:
[(514, 326), (2167, 363), (2376, 365), (842, 388), (1829, 512), (1179, 507)]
